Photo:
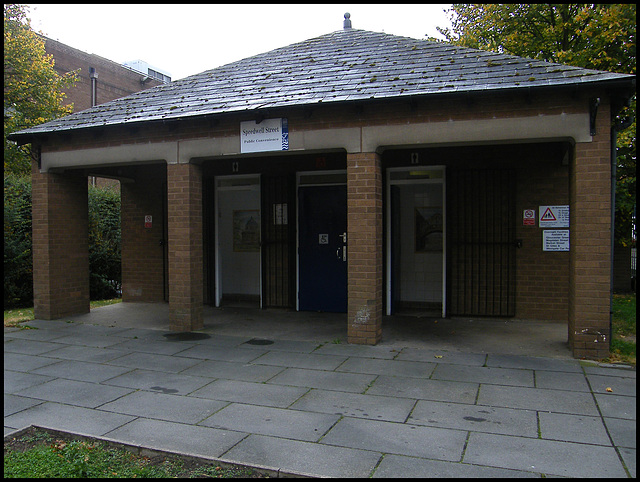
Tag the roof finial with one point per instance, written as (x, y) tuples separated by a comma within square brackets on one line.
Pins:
[(347, 22)]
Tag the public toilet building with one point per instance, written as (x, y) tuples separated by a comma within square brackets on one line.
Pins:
[(355, 172)]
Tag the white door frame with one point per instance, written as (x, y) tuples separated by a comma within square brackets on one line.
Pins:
[(397, 182), (241, 187)]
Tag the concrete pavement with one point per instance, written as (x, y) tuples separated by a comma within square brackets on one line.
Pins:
[(290, 394)]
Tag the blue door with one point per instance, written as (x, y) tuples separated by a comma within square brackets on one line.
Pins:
[(322, 248)]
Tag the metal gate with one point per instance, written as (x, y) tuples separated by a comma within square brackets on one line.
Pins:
[(481, 221), (278, 241)]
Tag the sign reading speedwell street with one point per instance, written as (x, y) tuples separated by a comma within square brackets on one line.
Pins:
[(268, 135)]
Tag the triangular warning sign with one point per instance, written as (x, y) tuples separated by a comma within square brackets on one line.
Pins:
[(548, 215)]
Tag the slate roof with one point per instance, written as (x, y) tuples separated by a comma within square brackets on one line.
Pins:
[(343, 66)]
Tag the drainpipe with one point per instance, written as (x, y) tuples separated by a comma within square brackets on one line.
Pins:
[(93, 75)]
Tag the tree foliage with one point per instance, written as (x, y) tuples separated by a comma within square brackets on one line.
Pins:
[(593, 36), (32, 88)]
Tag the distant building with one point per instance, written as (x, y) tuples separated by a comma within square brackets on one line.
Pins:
[(100, 80)]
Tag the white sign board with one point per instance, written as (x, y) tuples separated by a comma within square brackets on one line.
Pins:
[(268, 135), (555, 240), (553, 217)]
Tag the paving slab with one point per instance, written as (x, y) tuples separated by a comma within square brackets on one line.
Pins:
[(14, 404), (250, 393), (616, 406), (68, 418), (475, 418), (233, 371), (533, 363), (176, 437), (439, 390), (161, 406), (24, 363), (376, 366), (442, 356), (151, 361), (615, 385), (623, 433), (355, 405), (561, 381), (629, 459), (344, 382), (560, 401), (609, 370), (157, 381), (362, 351), (277, 422), (225, 353), (29, 347), (398, 438), (300, 360), (304, 457), (15, 382), (72, 392), (493, 375), (86, 353), (573, 428), (296, 346), (81, 370), (89, 339), (395, 466), (160, 347), (565, 459)]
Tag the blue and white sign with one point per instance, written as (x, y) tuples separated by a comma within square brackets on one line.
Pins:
[(268, 135)]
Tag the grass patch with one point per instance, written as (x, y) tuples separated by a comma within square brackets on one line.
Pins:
[(19, 315), (623, 329), (38, 453)]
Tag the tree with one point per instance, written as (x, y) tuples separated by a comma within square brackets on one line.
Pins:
[(32, 88), (593, 36)]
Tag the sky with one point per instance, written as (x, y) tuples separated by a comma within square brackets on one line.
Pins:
[(188, 39)]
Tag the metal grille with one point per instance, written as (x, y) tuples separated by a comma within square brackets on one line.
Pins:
[(481, 224), (278, 241)]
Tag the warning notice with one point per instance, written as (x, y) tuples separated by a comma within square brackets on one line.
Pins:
[(554, 216), (555, 240)]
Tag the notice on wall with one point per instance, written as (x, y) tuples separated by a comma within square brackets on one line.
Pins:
[(268, 135), (555, 240), (529, 217), (554, 216)]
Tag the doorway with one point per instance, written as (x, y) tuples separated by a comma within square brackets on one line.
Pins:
[(416, 241), (238, 239), (322, 245)]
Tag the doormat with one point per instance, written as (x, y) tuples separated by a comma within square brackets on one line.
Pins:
[(186, 336), (259, 341)]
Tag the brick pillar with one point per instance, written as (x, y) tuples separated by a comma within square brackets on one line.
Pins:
[(364, 228), (184, 196), (60, 244), (590, 255)]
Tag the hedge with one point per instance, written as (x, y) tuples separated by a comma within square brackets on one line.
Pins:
[(104, 243)]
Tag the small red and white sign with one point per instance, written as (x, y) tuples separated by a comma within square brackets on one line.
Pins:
[(529, 217), (148, 221)]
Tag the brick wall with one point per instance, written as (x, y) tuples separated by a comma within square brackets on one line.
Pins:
[(60, 224), (142, 249), (113, 81), (364, 236), (590, 259)]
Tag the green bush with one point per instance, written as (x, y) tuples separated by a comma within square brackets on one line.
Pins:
[(104, 243), (18, 268)]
